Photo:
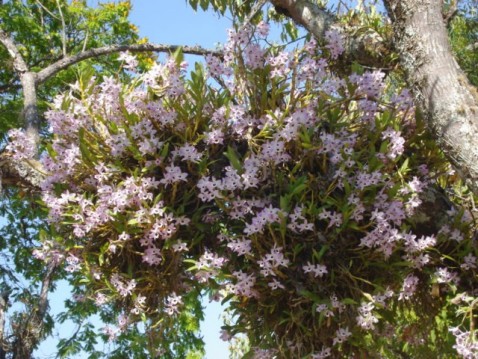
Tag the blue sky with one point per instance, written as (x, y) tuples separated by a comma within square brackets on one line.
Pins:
[(174, 22)]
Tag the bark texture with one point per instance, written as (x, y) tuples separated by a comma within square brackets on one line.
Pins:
[(30, 106), (441, 89), (314, 18), (27, 175)]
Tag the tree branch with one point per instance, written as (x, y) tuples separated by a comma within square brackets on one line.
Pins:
[(28, 333), (255, 9), (367, 48), (64, 63), (451, 12), (63, 28), (45, 288), (19, 63), (315, 19), (71, 339)]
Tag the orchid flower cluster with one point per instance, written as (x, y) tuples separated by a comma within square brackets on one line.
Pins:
[(266, 179)]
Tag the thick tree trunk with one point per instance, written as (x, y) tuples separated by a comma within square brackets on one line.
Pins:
[(441, 89)]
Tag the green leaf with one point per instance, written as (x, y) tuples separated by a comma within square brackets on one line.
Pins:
[(284, 203), (204, 4), (233, 158), (291, 30), (357, 68), (132, 222), (194, 4), (404, 167), (299, 186), (318, 255), (85, 151), (349, 301), (178, 56), (310, 295), (368, 296)]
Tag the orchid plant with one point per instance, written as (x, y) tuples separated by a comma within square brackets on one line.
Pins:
[(271, 182)]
